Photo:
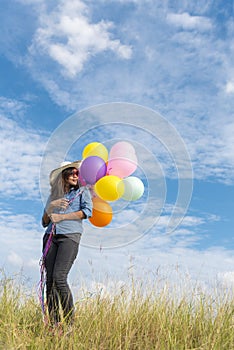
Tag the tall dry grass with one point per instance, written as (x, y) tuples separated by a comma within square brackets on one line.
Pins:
[(129, 320)]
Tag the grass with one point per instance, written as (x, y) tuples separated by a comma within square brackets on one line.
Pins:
[(132, 319)]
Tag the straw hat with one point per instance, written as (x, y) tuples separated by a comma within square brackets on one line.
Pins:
[(64, 165)]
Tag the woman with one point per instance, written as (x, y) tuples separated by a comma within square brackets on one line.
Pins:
[(67, 205)]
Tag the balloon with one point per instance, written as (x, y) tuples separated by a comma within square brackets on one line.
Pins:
[(122, 160), (82, 181), (95, 149), (121, 167), (109, 188), (133, 188), (122, 149), (102, 213), (92, 169)]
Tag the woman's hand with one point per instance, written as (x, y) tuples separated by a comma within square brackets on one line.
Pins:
[(60, 203), (55, 218)]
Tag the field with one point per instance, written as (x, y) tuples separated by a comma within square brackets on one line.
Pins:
[(132, 319)]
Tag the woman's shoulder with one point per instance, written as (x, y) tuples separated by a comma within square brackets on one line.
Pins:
[(77, 190), (84, 188), (86, 191), (80, 190)]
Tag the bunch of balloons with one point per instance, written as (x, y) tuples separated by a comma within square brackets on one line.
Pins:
[(109, 176)]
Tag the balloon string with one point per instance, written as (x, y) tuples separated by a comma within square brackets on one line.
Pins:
[(42, 282)]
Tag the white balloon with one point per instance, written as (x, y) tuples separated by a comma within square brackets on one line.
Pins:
[(133, 188)]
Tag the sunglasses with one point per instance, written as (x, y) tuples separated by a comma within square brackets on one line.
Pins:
[(74, 173)]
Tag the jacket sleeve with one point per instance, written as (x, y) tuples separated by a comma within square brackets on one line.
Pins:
[(86, 204)]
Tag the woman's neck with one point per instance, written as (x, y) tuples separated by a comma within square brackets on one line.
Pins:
[(67, 188)]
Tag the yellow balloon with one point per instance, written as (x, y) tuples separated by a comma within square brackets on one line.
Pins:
[(95, 149), (109, 188)]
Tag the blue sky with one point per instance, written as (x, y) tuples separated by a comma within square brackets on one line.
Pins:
[(158, 74)]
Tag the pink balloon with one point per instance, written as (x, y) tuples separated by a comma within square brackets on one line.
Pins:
[(122, 149), (82, 181), (121, 167), (122, 159)]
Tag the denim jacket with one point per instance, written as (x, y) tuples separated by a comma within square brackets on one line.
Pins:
[(78, 200)]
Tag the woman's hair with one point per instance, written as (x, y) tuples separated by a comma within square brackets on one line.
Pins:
[(59, 185)]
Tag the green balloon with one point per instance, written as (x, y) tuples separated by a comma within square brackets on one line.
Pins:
[(133, 188)]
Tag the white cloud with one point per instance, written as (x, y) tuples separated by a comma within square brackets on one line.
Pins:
[(20, 242), (127, 228), (162, 263), (21, 150), (67, 35), (15, 259), (17, 224), (13, 107), (228, 146), (229, 87), (188, 22)]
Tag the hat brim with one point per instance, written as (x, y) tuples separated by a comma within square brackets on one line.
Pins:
[(54, 173)]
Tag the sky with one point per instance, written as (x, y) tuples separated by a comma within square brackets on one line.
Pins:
[(157, 74)]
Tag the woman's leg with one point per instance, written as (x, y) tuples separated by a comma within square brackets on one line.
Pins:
[(66, 254), (51, 294)]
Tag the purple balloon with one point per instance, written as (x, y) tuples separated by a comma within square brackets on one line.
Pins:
[(92, 169)]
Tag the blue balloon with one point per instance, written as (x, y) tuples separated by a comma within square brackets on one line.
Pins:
[(92, 169)]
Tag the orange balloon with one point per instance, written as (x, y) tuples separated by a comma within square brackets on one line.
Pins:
[(102, 213)]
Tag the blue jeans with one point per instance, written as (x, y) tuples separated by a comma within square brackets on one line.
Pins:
[(58, 262)]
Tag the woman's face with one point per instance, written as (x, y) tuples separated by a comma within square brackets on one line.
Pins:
[(72, 177)]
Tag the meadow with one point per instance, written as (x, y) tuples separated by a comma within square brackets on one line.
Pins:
[(130, 320)]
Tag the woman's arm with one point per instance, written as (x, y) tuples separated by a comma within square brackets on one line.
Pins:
[(85, 211), (75, 215), (60, 203), (45, 219)]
